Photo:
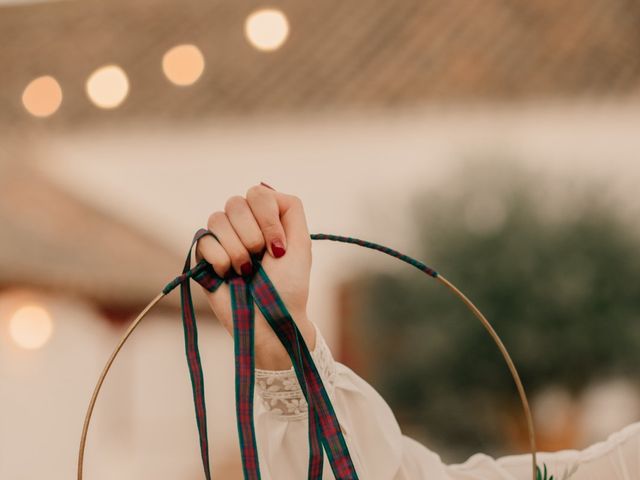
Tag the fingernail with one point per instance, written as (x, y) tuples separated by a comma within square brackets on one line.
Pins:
[(268, 186), (277, 248), (246, 269)]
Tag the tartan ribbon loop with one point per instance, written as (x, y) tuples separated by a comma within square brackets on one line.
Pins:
[(324, 428)]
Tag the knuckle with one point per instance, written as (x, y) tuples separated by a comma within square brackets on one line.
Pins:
[(221, 265), (255, 245), (254, 192), (295, 200), (238, 258), (270, 226), (216, 218), (234, 203)]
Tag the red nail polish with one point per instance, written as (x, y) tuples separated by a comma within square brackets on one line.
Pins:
[(246, 269), (268, 186), (277, 248)]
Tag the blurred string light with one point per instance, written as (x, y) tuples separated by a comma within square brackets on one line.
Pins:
[(30, 327), (266, 29), (183, 64), (108, 86), (42, 97)]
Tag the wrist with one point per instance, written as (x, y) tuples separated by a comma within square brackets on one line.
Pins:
[(270, 354), (272, 357)]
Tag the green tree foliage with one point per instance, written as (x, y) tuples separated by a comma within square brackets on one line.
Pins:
[(553, 266)]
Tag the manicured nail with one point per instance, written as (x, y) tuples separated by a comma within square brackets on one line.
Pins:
[(277, 248), (246, 269), (268, 186)]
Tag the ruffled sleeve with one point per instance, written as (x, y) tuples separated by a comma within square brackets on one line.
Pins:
[(379, 449)]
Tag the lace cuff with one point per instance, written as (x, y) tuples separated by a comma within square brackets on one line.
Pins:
[(280, 391)]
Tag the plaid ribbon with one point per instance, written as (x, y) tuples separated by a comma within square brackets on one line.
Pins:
[(324, 417), (191, 342), (324, 429)]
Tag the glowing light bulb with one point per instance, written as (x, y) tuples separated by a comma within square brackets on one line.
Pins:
[(183, 64), (31, 327), (267, 29), (42, 97), (108, 86)]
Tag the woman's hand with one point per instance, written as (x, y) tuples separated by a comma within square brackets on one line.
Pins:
[(264, 218)]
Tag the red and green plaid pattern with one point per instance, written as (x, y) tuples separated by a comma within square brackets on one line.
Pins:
[(274, 310), (289, 335), (243, 295), (324, 429), (193, 353), (243, 339)]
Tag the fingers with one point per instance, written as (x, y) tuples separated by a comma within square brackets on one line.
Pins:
[(209, 249), (244, 224), (238, 256), (293, 219), (266, 218), (264, 206)]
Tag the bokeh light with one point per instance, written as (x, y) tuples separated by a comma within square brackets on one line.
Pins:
[(42, 97), (183, 64), (31, 327), (267, 29), (108, 86)]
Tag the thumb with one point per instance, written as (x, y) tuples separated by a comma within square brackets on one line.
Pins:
[(293, 219)]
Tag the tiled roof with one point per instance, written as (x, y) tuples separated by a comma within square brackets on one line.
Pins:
[(355, 54), (51, 240)]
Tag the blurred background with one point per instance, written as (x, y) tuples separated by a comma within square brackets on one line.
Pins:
[(498, 141)]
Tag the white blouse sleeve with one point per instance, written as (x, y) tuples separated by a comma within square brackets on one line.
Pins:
[(380, 451)]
